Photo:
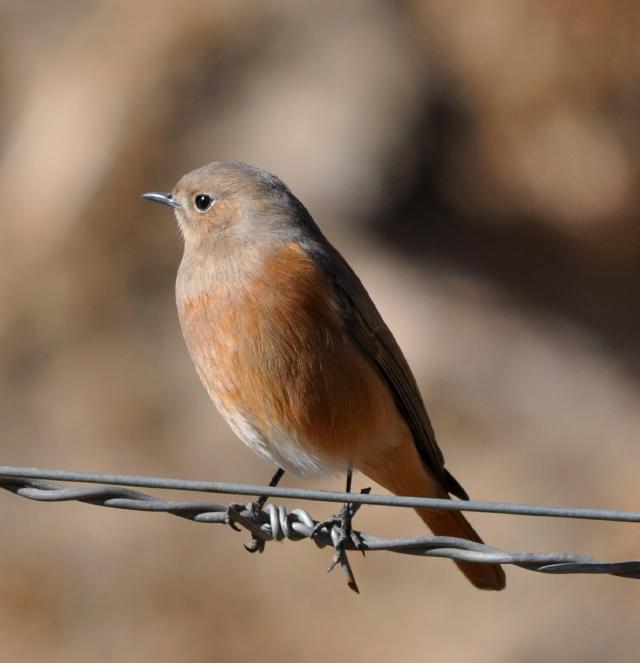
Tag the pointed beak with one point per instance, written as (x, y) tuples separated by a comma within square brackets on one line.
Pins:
[(164, 198)]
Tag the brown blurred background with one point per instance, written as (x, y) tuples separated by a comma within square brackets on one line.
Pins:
[(477, 163)]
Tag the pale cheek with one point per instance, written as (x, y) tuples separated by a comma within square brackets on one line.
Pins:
[(195, 229), (183, 222)]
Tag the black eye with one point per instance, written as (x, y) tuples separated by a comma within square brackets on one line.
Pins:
[(203, 202)]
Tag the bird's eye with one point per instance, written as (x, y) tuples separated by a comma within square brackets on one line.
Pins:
[(203, 202)]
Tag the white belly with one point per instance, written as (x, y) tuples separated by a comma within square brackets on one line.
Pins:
[(280, 448)]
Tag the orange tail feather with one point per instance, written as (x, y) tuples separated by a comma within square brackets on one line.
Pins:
[(403, 473), (453, 523)]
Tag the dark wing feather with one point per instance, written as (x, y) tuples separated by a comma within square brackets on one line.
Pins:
[(378, 345)]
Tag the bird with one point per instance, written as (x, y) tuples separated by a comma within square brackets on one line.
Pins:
[(292, 350)]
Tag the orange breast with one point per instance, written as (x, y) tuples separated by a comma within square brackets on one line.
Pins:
[(276, 351)]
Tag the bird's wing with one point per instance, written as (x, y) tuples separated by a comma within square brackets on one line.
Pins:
[(378, 345)]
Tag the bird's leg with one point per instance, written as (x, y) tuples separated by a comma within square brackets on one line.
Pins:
[(342, 520), (255, 507)]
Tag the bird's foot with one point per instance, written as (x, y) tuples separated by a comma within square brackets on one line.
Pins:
[(253, 522), (255, 509), (250, 521), (339, 529), (342, 522), (233, 515)]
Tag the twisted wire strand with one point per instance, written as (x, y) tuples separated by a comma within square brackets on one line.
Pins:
[(275, 523)]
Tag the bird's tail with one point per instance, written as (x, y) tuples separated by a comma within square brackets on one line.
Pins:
[(453, 523), (404, 474)]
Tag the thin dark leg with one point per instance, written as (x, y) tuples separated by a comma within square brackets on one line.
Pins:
[(349, 477), (346, 537), (257, 545), (275, 480), (345, 517)]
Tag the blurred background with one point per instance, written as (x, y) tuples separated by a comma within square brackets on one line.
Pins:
[(477, 163)]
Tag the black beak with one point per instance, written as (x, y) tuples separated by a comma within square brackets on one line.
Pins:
[(164, 198)]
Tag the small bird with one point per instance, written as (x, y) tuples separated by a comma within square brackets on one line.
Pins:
[(292, 350)]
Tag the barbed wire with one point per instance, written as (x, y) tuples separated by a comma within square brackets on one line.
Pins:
[(275, 523)]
